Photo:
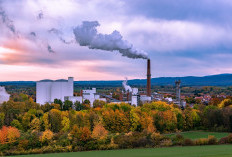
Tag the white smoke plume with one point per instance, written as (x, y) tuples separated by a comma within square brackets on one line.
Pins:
[(126, 86), (87, 35), (4, 96)]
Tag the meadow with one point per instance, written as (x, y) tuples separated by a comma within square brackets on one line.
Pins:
[(192, 151)]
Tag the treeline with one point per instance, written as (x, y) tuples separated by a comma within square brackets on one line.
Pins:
[(27, 127)]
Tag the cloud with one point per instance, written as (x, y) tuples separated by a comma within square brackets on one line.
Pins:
[(173, 35), (181, 37)]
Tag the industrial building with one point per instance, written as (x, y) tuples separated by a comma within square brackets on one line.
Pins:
[(49, 90), (133, 95), (4, 96)]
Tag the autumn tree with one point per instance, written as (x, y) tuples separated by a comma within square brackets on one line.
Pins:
[(55, 120), (99, 132), (46, 137)]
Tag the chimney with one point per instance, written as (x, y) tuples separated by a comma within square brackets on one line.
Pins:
[(148, 78)]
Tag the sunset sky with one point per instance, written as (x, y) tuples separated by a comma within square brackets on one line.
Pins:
[(181, 37)]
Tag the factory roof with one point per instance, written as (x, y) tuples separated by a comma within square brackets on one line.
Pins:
[(47, 80), (61, 80)]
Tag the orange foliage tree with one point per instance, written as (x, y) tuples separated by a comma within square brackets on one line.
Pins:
[(99, 132), (9, 134)]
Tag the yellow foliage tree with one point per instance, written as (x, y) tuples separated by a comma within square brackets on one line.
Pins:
[(66, 124), (46, 136)]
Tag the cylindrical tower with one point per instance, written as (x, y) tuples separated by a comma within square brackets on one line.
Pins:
[(148, 77)]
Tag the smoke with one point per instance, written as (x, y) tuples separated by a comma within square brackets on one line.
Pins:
[(59, 35), (40, 15), (126, 86), (4, 96), (50, 49), (8, 23), (87, 35)]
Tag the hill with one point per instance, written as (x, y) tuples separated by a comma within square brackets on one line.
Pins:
[(211, 80)]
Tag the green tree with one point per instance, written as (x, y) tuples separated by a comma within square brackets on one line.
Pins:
[(55, 120), (2, 118), (78, 106), (67, 105), (58, 101)]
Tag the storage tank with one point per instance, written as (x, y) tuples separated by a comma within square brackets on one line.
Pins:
[(43, 91)]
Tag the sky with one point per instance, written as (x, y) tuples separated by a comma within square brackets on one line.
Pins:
[(182, 38)]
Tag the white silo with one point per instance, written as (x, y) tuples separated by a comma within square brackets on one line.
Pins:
[(48, 90), (43, 91)]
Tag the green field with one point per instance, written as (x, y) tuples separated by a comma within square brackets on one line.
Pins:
[(193, 151), (200, 134)]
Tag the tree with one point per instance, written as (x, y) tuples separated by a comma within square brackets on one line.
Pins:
[(9, 134), (99, 132), (3, 135), (78, 106), (55, 120), (15, 123), (58, 101), (26, 120), (46, 137), (2, 118), (35, 124), (66, 124), (116, 121), (45, 120), (67, 105), (98, 103), (13, 134)]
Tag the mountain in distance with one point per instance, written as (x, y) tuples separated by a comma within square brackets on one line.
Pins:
[(211, 80)]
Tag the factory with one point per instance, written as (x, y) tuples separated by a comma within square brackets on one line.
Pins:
[(133, 96), (4, 96), (49, 90)]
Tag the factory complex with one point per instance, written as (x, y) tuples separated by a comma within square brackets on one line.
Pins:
[(49, 90)]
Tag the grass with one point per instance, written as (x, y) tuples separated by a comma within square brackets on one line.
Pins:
[(193, 151), (200, 134)]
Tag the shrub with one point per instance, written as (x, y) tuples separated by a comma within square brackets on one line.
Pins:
[(166, 143), (223, 140), (201, 141), (212, 140), (178, 139), (188, 142), (156, 138), (23, 144), (229, 138)]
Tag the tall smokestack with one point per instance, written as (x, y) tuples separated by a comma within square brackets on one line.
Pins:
[(148, 77)]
